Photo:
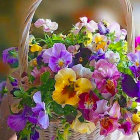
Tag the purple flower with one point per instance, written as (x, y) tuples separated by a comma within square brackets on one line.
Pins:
[(102, 29), (35, 115), (57, 57), (34, 135), (97, 56), (18, 122), (130, 87), (39, 111), (126, 128), (10, 56), (40, 58), (136, 71)]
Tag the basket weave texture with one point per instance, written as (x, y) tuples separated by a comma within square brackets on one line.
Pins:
[(23, 61)]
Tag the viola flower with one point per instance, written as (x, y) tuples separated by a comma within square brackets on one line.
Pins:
[(82, 57), (134, 58), (73, 49), (120, 34), (137, 43), (112, 57), (126, 128), (90, 37), (106, 76), (35, 48), (136, 120), (98, 55), (68, 87), (36, 73), (34, 135), (40, 58), (10, 56), (87, 103), (83, 127), (48, 25), (130, 87), (57, 57), (100, 41), (82, 72), (90, 25), (108, 125), (39, 112), (102, 28)]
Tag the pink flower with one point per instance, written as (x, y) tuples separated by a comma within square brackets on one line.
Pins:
[(36, 73), (48, 25), (126, 128), (108, 125), (137, 43), (90, 25), (73, 49), (39, 23), (106, 76), (87, 103)]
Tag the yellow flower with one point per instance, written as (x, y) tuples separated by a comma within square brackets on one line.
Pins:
[(90, 36), (100, 42), (82, 127), (136, 120), (35, 48), (68, 88)]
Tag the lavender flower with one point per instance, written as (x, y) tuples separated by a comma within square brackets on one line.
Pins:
[(57, 57), (10, 57), (102, 29)]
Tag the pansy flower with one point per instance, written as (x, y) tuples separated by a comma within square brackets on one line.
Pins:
[(109, 123), (87, 103), (102, 28), (10, 56), (85, 22), (136, 120), (68, 87), (73, 49), (82, 57), (137, 43), (82, 127), (48, 25), (82, 72), (126, 128), (106, 76), (130, 86), (36, 115), (100, 41), (57, 57), (112, 57)]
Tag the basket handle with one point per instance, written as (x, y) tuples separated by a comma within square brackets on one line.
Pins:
[(24, 45)]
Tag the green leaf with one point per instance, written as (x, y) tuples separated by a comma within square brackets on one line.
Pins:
[(81, 119), (45, 77), (70, 110), (18, 93), (57, 108)]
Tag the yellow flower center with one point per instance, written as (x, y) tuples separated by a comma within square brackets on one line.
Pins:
[(61, 63), (80, 59), (137, 64), (98, 39)]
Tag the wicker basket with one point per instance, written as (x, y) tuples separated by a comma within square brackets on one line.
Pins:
[(23, 60)]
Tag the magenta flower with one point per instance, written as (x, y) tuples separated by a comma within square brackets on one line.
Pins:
[(137, 41), (87, 103), (57, 57), (106, 76), (126, 128)]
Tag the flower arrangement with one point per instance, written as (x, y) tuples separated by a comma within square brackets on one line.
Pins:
[(81, 80)]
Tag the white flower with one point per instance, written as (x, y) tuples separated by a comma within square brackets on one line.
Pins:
[(90, 25), (48, 25), (112, 57), (82, 72)]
